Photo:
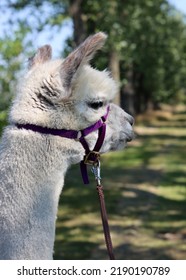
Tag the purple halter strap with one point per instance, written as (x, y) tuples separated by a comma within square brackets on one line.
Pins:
[(91, 157)]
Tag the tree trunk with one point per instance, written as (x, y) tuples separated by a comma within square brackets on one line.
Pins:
[(114, 65), (79, 25), (143, 98), (128, 93)]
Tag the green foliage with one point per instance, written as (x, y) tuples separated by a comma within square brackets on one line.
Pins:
[(40, 14), (24, 20), (3, 120), (145, 35), (12, 47)]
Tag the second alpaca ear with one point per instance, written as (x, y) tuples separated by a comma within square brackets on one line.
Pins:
[(42, 55), (79, 57)]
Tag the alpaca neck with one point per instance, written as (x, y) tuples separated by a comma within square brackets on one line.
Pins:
[(37, 165)]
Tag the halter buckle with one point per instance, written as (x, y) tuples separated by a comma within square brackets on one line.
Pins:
[(92, 158)]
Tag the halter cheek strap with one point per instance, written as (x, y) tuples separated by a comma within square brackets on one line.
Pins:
[(91, 157)]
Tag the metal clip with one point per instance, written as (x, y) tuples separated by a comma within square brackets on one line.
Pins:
[(92, 158), (96, 170)]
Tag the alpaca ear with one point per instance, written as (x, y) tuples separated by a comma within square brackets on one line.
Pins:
[(80, 56), (42, 55)]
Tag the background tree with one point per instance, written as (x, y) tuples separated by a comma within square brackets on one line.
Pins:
[(143, 37), (12, 47), (142, 50)]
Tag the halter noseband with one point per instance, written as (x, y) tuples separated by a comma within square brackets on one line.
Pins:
[(91, 156)]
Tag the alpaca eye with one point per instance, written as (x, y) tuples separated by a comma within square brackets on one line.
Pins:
[(96, 105)]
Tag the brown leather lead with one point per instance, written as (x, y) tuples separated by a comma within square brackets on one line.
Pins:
[(105, 222)]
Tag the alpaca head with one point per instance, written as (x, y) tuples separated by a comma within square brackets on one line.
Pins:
[(69, 94)]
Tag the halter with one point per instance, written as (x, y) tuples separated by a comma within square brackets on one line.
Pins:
[(91, 157)]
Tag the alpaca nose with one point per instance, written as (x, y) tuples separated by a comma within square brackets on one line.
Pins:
[(130, 138), (129, 118)]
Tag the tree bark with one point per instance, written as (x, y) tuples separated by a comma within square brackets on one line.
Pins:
[(128, 93), (114, 65), (79, 25), (143, 98)]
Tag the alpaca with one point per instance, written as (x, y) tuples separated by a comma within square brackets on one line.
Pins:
[(54, 94)]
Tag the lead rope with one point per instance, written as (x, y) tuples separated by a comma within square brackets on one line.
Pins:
[(108, 241)]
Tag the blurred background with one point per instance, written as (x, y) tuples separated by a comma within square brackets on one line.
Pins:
[(145, 185)]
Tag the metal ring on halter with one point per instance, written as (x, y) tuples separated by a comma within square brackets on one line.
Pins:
[(92, 158)]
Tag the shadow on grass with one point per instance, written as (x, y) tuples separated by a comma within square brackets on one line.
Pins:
[(126, 203), (123, 252), (73, 250)]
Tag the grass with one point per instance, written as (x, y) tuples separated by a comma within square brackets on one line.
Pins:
[(145, 192)]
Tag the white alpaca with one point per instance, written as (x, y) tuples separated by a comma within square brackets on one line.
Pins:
[(59, 94)]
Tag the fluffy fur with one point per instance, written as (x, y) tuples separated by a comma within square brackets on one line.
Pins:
[(55, 94)]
